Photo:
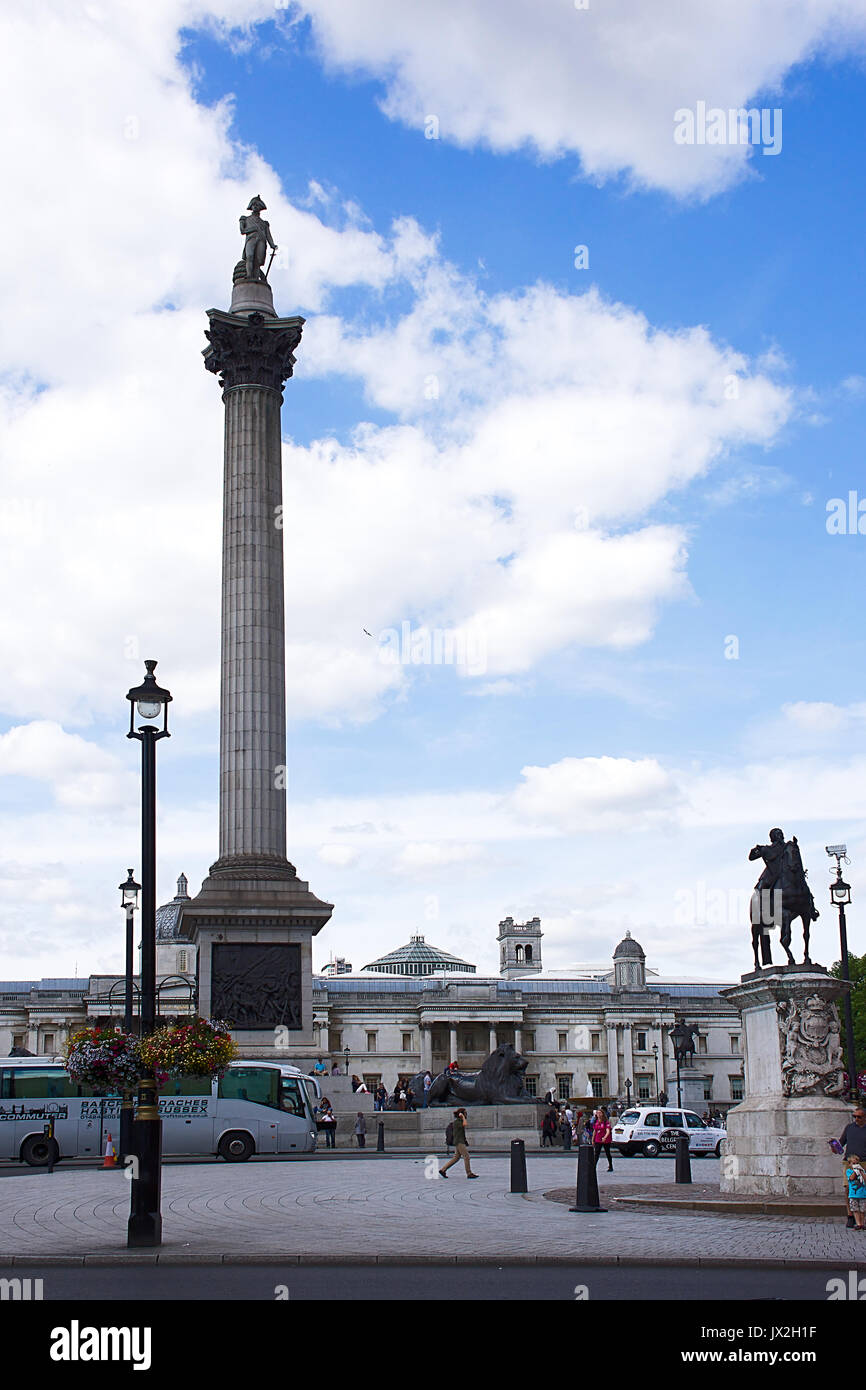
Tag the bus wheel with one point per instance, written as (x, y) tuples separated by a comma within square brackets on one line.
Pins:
[(39, 1152), (235, 1147)]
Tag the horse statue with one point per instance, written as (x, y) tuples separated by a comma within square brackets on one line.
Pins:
[(781, 896)]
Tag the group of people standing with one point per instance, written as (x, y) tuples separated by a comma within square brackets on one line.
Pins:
[(578, 1127)]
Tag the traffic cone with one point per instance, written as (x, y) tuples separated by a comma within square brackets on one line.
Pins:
[(110, 1160)]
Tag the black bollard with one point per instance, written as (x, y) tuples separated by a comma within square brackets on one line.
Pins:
[(683, 1162), (518, 1166), (380, 1141), (586, 1196)]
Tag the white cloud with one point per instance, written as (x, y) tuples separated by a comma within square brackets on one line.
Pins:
[(341, 856), (79, 773), (421, 857), (593, 794), (601, 83)]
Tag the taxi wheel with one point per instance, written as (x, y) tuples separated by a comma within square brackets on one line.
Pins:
[(235, 1147), (651, 1148), (718, 1149), (39, 1152)]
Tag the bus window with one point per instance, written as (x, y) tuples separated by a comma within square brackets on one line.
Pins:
[(257, 1084), (291, 1097), (186, 1086), (44, 1083), (5, 1085)]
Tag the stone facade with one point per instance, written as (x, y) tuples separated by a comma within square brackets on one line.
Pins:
[(582, 1034)]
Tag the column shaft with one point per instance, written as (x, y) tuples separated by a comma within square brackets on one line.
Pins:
[(253, 689), (612, 1061)]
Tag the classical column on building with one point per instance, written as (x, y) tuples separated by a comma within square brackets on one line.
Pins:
[(518, 1038), (612, 1060), (492, 1043), (254, 919), (628, 1058), (452, 1044), (426, 1048)]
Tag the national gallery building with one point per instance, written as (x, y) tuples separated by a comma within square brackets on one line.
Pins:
[(592, 1031)]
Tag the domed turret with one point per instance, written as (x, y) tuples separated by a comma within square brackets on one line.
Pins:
[(629, 964)]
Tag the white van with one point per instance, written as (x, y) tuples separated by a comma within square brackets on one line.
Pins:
[(639, 1130)]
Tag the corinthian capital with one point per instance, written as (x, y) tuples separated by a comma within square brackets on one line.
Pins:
[(253, 351)]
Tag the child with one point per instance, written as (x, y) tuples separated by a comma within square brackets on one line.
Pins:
[(856, 1176)]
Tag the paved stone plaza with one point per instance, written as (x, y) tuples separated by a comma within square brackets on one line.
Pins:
[(364, 1209)]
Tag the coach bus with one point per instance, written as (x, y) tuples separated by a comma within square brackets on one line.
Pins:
[(256, 1107)]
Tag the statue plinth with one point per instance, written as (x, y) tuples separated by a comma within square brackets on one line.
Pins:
[(253, 297), (794, 1080)]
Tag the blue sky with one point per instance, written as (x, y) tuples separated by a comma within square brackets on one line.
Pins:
[(612, 756)]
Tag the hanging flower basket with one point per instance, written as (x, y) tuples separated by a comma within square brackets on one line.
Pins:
[(105, 1060), (203, 1047)]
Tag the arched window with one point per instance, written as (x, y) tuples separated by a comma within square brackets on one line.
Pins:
[(529, 953), (519, 953)]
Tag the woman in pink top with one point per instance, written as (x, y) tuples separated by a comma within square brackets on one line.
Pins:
[(601, 1137)]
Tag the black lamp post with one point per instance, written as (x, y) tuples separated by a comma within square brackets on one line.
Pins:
[(145, 1219), (346, 1055), (681, 1037), (628, 1093), (129, 892), (658, 1082), (840, 895)]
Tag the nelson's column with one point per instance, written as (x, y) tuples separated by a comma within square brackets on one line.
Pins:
[(254, 919)]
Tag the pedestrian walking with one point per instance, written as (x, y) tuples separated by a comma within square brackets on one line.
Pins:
[(548, 1128), (602, 1134), (852, 1140), (461, 1145), (361, 1130)]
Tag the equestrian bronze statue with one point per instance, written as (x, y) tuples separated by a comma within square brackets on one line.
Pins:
[(780, 895)]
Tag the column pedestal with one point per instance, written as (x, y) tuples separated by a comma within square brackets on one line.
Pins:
[(777, 1137)]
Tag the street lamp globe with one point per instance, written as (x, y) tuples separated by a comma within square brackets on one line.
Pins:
[(129, 891), (148, 698), (678, 1037), (840, 892)]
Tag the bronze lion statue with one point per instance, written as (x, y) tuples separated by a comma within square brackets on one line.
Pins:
[(501, 1081)]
